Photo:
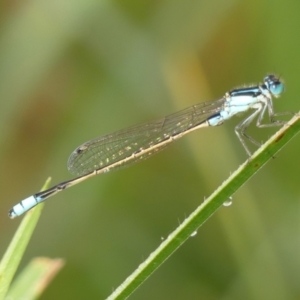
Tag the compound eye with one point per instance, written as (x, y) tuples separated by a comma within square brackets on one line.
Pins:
[(276, 88), (274, 85)]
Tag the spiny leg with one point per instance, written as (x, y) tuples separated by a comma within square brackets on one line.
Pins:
[(241, 128)]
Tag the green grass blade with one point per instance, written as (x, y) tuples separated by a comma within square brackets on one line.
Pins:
[(16, 249), (191, 224), (35, 278)]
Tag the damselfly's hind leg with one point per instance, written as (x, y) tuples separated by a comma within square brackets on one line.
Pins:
[(240, 131)]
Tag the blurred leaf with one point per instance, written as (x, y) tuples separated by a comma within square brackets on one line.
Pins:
[(34, 278), (17, 247)]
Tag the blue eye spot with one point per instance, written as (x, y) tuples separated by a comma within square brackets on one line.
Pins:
[(276, 88), (274, 85)]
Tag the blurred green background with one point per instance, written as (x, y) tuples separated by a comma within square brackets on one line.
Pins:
[(73, 70)]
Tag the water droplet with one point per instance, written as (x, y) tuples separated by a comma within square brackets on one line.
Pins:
[(228, 202), (194, 233)]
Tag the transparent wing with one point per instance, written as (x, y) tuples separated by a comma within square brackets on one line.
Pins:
[(121, 145)]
